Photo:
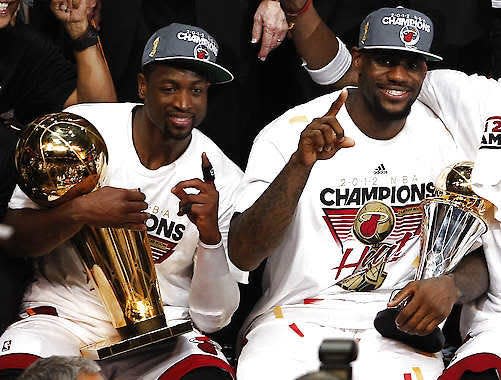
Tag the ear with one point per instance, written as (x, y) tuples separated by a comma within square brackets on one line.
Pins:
[(13, 19), (141, 86), (356, 56)]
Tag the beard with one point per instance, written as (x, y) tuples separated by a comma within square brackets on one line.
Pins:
[(384, 114), (177, 136)]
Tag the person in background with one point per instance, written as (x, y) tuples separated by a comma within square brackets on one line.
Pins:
[(63, 368), (35, 78)]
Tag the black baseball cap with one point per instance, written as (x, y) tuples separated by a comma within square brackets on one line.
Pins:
[(398, 29), (188, 45)]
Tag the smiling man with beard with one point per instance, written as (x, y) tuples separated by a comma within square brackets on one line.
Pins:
[(330, 268), (158, 179)]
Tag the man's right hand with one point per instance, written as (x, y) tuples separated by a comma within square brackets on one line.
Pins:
[(111, 207), (324, 136), (74, 14), (269, 26)]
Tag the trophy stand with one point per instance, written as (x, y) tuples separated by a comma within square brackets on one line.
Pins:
[(118, 346), (121, 265)]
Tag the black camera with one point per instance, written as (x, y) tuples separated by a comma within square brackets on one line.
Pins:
[(336, 356)]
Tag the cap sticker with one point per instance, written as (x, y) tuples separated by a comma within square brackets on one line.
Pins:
[(198, 38), (200, 52), (154, 47), (366, 31), (409, 35)]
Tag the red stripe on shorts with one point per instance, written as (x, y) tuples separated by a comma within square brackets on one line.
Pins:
[(192, 362), (474, 363)]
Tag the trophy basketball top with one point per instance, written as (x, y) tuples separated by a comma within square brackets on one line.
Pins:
[(454, 185), (58, 157), (456, 178)]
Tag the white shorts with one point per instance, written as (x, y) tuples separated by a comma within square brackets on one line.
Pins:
[(46, 335), (480, 352), (279, 350)]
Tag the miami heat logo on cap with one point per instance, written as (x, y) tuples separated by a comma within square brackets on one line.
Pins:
[(409, 35), (201, 52), (373, 223)]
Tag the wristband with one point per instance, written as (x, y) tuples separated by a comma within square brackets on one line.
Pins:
[(210, 246), (299, 12), (89, 38)]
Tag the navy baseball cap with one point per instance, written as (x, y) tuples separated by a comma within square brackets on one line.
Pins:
[(188, 45), (398, 29)]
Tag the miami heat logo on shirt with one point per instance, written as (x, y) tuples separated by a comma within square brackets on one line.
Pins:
[(373, 223), (384, 233)]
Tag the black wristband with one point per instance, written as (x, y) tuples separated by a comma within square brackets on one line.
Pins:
[(89, 38)]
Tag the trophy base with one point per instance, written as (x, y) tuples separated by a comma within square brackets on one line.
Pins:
[(115, 347), (386, 326)]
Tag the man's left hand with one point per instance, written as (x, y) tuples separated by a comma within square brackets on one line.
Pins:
[(201, 208), (429, 302)]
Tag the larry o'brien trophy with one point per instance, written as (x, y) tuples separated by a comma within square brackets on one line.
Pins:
[(58, 157), (452, 221)]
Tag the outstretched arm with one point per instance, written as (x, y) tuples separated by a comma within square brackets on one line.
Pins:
[(431, 300), (256, 232), (94, 82), (317, 44)]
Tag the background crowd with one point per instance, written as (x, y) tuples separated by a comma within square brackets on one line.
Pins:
[(467, 35)]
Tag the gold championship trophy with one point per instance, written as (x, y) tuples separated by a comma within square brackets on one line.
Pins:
[(61, 156), (452, 222)]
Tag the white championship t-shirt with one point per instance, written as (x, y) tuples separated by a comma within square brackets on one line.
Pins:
[(61, 279), (321, 264)]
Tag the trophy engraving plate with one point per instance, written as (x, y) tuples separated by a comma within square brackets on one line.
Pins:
[(118, 347)]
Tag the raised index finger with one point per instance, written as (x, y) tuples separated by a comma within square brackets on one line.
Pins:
[(337, 104), (207, 169)]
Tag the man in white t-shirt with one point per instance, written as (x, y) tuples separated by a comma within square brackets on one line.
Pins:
[(469, 107), (331, 200), (156, 148)]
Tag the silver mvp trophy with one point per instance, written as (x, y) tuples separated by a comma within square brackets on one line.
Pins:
[(452, 221)]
